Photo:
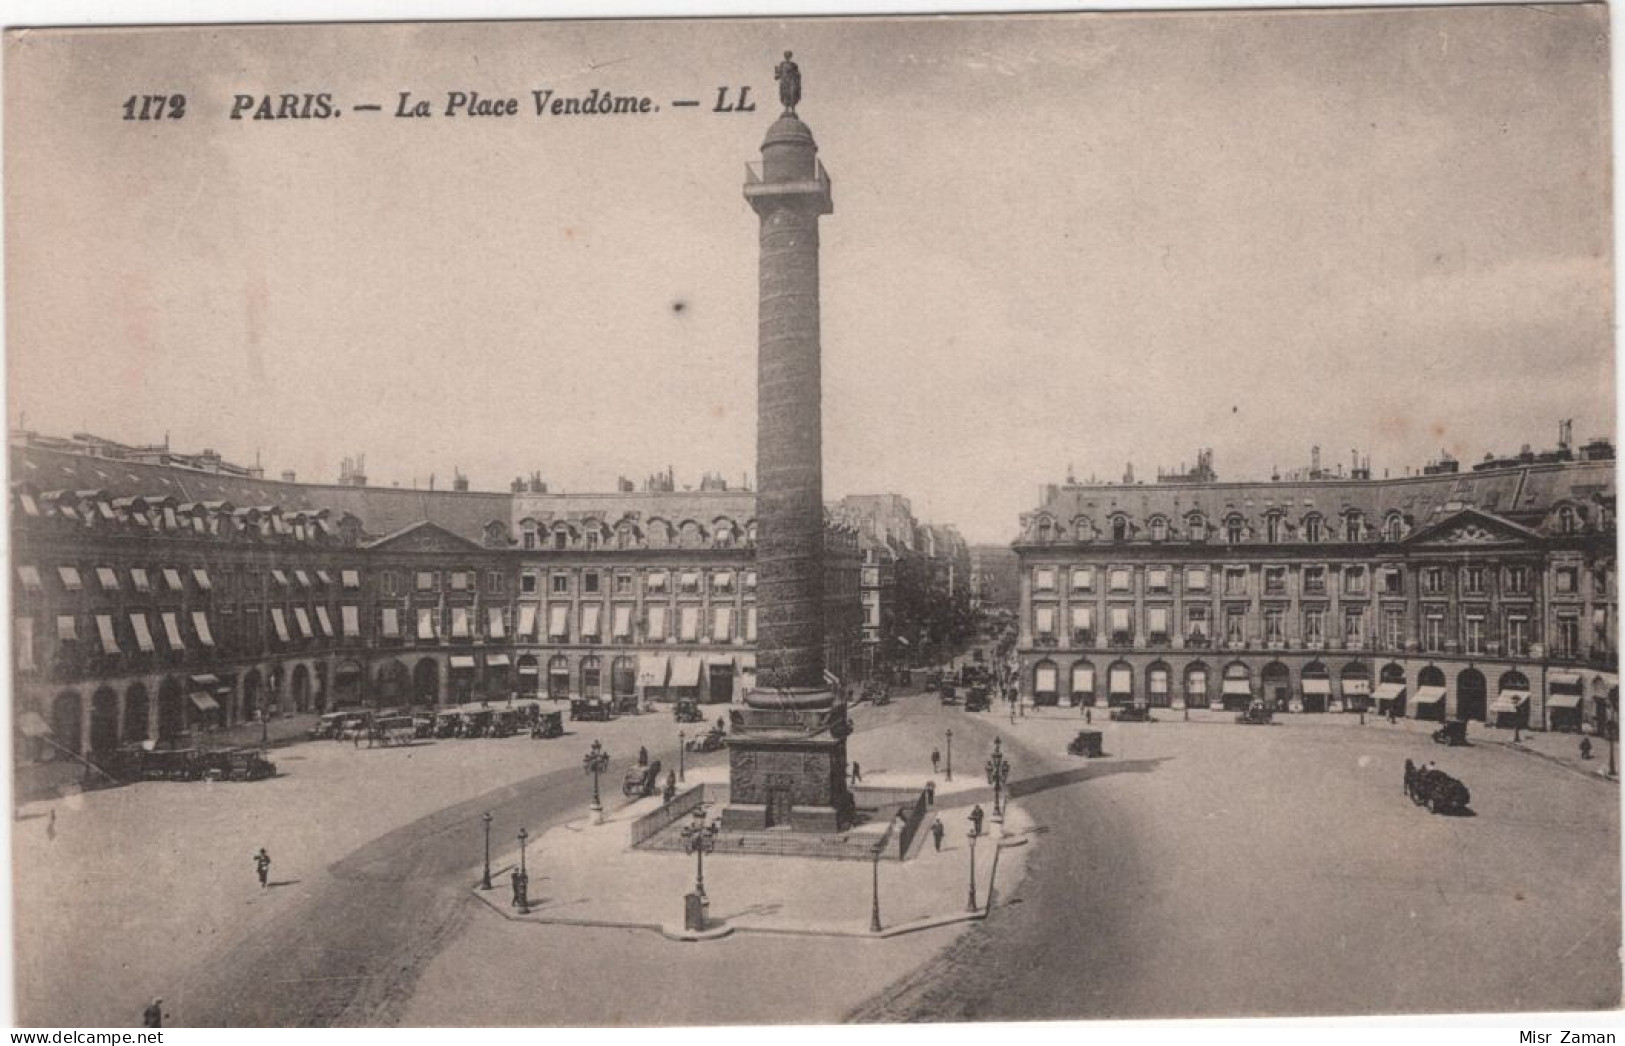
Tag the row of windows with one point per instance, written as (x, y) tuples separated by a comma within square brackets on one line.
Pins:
[(1314, 625), (1235, 528), (174, 579), (690, 534), (687, 582), (1474, 580)]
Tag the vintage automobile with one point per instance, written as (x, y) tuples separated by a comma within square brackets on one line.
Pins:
[(933, 679), (1453, 733), (686, 711), (980, 699), (1087, 743), (641, 781), (355, 724), (395, 730), (328, 726), (239, 764), (950, 694), (707, 742), (447, 722), (1256, 715), (504, 723), (1135, 713), (177, 764), (1438, 791), (423, 725), (589, 709), (547, 725)]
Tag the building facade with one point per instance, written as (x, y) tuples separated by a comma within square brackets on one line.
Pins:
[(156, 601), (1485, 595)]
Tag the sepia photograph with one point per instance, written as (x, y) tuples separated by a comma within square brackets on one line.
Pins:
[(712, 521)]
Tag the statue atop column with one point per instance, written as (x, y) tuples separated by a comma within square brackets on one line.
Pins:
[(788, 74)]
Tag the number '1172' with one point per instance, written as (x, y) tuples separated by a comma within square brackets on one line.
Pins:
[(155, 106)]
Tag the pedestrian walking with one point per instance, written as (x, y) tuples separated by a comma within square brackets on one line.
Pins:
[(153, 1015), (1585, 748), (1392, 719), (50, 826), (857, 772), (937, 832), (976, 816), (262, 865), (513, 878), (936, 760), (930, 793), (643, 756), (1088, 715)]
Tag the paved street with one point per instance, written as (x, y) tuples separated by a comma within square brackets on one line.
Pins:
[(1211, 869), (1193, 871)]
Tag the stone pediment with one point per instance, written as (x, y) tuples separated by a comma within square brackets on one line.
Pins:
[(1471, 527), (424, 536)]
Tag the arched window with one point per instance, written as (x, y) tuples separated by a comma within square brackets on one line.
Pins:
[(1046, 529), (1566, 522), (1355, 524), (1233, 529), (1312, 529), (625, 537), (561, 538), (1393, 528), (1272, 527), (1197, 526), (1159, 528), (1119, 528)]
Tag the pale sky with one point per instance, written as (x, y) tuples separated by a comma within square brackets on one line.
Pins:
[(1072, 239)]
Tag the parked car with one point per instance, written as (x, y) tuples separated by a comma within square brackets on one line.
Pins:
[(1453, 733), (1256, 715), (1087, 743), (684, 711), (1135, 713), (327, 727), (547, 725), (589, 708), (1437, 790)]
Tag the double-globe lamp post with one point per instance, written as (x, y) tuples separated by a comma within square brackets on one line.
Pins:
[(950, 755), (596, 761), (970, 905), (998, 775), (485, 883), (524, 875), (699, 839)]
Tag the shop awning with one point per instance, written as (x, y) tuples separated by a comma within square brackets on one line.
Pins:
[(527, 622), (32, 724), (622, 622), (1321, 687), (459, 622), (392, 622), (589, 620), (30, 579), (1566, 682), (722, 627), (107, 579), (685, 670), (67, 628), (280, 577), (204, 703), (1509, 702), (205, 682), (70, 578), (1121, 681), (1389, 691), (1242, 687), (529, 668), (462, 661), (138, 578), (688, 625), (143, 633), (652, 669), (496, 661), (352, 578), (301, 617), (495, 627), (558, 668), (302, 577), (324, 577), (426, 624), (280, 621), (1562, 700), (324, 621), (172, 631), (1357, 687), (558, 622), (201, 576), (1428, 695)]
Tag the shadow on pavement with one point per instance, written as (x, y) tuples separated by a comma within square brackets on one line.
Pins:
[(1062, 778)]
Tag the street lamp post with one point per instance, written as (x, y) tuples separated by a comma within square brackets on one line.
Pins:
[(874, 907), (524, 875), (485, 884), (998, 773), (682, 744), (700, 838), (950, 755), (596, 762), (970, 905)]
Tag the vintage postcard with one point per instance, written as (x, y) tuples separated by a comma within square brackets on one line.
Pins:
[(1049, 517)]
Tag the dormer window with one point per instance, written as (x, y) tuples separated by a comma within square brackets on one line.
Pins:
[(1197, 527), (1233, 530), (1272, 528), (1119, 528), (1393, 529), (1159, 529), (1566, 520), (1311, 530)]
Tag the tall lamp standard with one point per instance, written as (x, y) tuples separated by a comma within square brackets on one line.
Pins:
[(524, 876), (950, 755), (596, 761), (970, 905), (699, 839), (682, 744), (485, 884), (998, 773), (874, 907)]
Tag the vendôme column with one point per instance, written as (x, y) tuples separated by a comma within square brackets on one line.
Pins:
[(787, 760)]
